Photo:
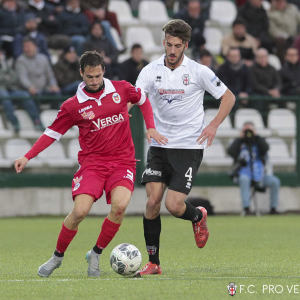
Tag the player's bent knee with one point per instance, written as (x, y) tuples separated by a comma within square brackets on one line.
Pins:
[(174, 208)]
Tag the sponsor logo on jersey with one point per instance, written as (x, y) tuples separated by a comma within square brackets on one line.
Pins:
[(76, 183), (149, 171), (85, 108), (186, 79), (108, 121), (170, 91), (158, 79), (171, 98), (116, 98), (188, 185), (88, 115)]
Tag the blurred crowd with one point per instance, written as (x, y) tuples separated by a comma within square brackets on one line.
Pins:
[(30, 30)]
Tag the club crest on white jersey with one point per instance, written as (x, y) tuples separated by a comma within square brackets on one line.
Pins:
[(186, 79)]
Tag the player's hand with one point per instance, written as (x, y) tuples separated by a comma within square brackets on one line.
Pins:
[(208, 133), (154, 134), (20, 164)]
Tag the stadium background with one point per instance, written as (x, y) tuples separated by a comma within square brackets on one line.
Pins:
[(44, 187)]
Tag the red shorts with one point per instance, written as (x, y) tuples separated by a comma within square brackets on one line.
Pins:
[(92, 180)]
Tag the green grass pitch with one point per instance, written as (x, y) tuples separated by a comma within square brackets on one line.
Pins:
[(261, 255)]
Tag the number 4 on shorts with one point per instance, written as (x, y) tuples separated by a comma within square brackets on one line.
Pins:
[(189, 174)]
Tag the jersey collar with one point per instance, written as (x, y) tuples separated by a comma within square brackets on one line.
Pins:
[(82, 96)]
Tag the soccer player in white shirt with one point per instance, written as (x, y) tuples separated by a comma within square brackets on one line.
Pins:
[(175, 86)]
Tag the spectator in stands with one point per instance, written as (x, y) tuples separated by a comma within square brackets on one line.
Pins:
[(183, 4), (235, 74), (48, 22), (290, 73), (130, 68), (241, 39), (265, 79), (284, 20), (66, 71), (34, 71), (98, 41), (74, 23), (30, 30), (108, 20), (11, 22), (90, 4), (204, 57), (192, 15), (257, 23), (249, 152), (103, 14), (11, 93), (46, 15)]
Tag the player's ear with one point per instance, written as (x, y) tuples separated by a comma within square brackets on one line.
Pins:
[(186, 45), (80, 71)]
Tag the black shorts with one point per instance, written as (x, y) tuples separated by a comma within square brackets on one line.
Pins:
[(174, 167)]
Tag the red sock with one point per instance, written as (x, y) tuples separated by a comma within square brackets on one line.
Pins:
[(65, 237), (108, 231)]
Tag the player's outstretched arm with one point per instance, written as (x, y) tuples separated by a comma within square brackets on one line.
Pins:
[(209, 132), (154, 134), (41, 144), (20, 164)]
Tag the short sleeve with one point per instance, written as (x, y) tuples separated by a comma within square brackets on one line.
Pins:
[(135, 94), (62, 123), (143, 81), (211, 83)]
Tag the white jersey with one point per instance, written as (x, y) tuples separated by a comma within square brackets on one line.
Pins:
[(177, 99)]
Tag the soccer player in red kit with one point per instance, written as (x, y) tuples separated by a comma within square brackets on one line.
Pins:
[(107, 156)]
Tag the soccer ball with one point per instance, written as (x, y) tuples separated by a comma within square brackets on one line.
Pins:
[(125, 259)]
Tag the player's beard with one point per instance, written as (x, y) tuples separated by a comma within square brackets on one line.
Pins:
[(174, 64)]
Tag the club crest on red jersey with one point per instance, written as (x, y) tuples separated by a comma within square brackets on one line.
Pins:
[(116, 98), (76, 181), (88, 115), (186, 79)]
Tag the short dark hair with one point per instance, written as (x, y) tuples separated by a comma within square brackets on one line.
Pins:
[(238, 21), (204, 52), (178, 28), (96, 23), (136, 46), (91, 58), (27, 38)]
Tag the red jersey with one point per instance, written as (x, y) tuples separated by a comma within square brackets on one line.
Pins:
[(103, 121)]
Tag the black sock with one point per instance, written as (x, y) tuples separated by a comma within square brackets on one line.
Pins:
[(152, 230), (191, 213), (97, 249), (56, 253)]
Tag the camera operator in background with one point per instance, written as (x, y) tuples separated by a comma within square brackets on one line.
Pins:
[(249, 152)]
